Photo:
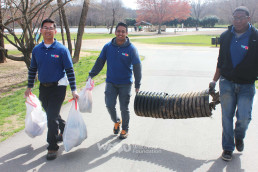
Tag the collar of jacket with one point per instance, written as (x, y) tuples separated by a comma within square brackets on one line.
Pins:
[(125, 44)]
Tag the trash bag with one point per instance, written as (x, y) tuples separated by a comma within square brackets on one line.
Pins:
[(36, 118), (75, 129), (85, 97)]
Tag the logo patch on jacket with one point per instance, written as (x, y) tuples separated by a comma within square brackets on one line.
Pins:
[(54, 56), (244, 47), (125, 54)]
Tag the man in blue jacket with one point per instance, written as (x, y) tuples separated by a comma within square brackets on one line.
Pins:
[(122, 61), (237, 70), (52, 60)]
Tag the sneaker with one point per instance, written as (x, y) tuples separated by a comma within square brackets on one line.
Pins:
[(51, 154), (59, 138), (227, 155), (117, 127), (239, 145), (123, 134)]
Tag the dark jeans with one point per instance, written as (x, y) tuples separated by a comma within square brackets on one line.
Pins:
[(52, 99), (123, 91)]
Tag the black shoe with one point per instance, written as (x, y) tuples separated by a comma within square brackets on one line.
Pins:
[(59, 138), (227, 155), (117, 127), (239, 145), (51, 155), (123, 134)]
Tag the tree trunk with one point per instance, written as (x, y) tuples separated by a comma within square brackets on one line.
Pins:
[(61, 25), (2, 55), (27, 59), (159, 29), (68, 35), (81, 31), (113, 22)]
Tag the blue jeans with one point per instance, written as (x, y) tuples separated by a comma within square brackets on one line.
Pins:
[(235, 99), (124, 93)]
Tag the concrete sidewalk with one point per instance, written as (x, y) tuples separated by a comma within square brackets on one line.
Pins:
[(183, 145)]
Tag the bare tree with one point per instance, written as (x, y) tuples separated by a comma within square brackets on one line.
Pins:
[(27, 15), (61, 26), (113, 20), (198, 8), (81, 30), (2, 55), (226, 8), (67, 30)]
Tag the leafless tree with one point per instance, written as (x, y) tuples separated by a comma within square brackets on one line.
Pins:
[(198, 10), (64, 19), (61, 26), (2, 55), (226, 8), (28, 16), (81, 30)]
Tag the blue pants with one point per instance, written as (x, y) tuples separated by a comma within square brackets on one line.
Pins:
[(123, 91), (52, 99), (235, 99)]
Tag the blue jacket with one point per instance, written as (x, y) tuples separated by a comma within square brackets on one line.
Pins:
[(121, 61), (51, 62)]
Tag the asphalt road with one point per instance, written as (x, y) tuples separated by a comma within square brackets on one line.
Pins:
[(153, 145)]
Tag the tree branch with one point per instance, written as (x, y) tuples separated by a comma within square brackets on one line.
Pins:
[(15, 58)]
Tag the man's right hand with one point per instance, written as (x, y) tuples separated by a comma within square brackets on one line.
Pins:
[(27, 92), (212, 85)]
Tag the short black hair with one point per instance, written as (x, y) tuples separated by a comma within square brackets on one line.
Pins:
[(48, 20), (122, 24), (242, 8)]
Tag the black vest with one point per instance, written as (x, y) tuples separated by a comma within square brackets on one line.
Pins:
[(246, 71)]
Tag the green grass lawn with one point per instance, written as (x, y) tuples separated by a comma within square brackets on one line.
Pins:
[(13, 109), (187, 40), (221, 25), (85, 36)]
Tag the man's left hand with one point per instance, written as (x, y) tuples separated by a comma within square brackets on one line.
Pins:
[(137, 90)]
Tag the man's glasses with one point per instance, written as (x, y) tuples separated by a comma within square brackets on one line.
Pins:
[(121, 31), (239, 18), (48, 28)]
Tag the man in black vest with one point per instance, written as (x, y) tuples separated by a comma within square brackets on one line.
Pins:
[(237, 70)]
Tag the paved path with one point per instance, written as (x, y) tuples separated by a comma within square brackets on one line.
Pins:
[(183, 145)]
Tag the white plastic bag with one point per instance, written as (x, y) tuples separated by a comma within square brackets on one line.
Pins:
[(36, 119), (85, 97), (75, 129)]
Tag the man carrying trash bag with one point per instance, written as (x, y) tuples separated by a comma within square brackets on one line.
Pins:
[(122, 61), (52, 60)]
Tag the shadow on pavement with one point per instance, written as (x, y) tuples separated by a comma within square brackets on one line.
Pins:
[(22, 159), (232, 166), (111, 147)]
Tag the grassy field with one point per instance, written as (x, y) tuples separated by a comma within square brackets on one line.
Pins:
[(85, 36), (13, 109), (187, 40), (221, 25)]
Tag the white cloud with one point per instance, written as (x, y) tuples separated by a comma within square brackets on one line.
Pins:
[(130, 4)]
